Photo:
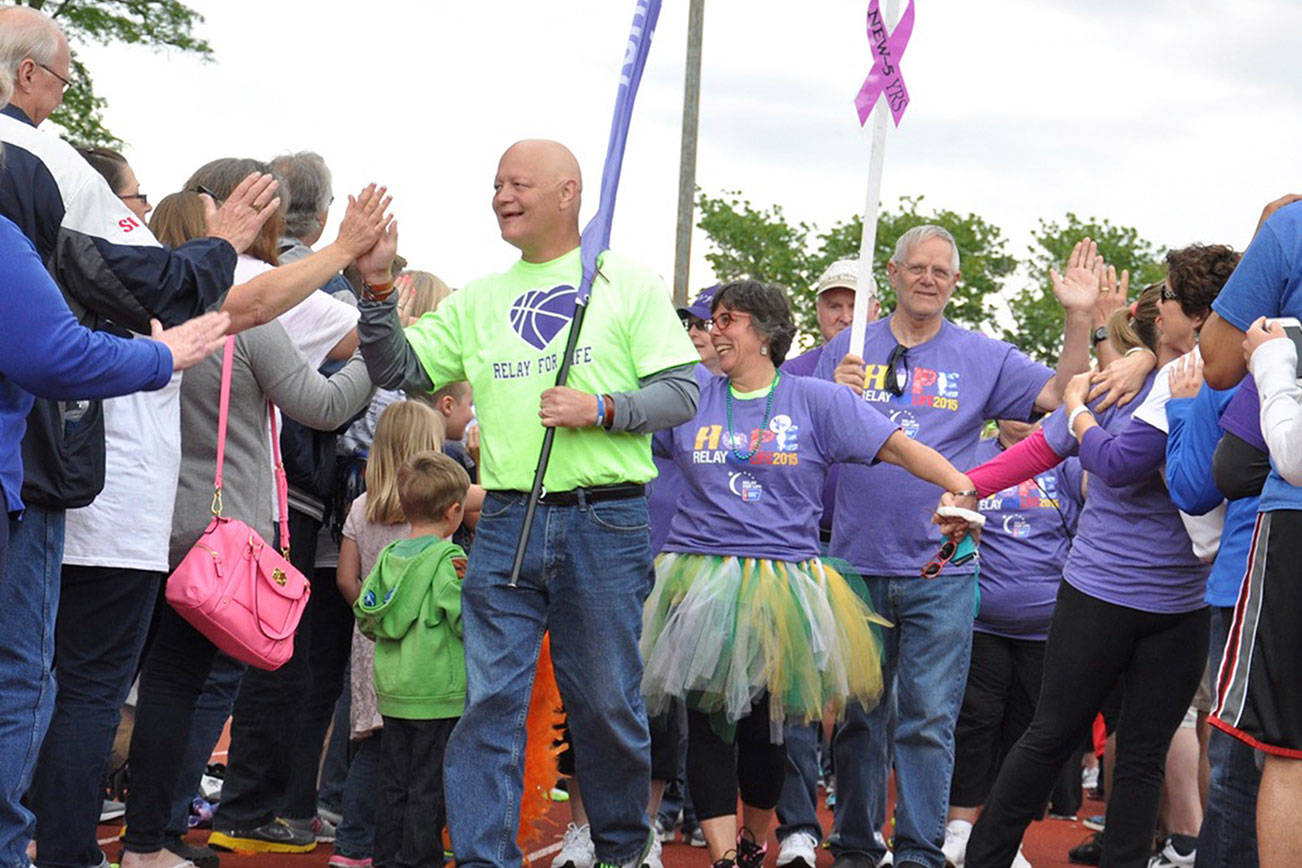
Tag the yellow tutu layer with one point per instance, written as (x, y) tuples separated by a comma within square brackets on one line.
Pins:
[(719, 631)]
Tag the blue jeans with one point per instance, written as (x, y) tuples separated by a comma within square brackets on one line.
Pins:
[(29, 601), (104, 615), (924, 669), (356, 835), (586, 574), (797, 811), (210, 715), (1229, 832)]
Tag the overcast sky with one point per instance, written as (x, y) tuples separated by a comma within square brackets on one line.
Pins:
[(1180, 118)]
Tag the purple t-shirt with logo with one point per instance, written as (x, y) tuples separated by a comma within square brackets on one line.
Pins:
[(765, 505), (1242, 416), (1131, 548), (663, 491), (1023, 548), (955, 382), (804, 365)]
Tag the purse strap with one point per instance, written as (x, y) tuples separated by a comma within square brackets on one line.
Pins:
[(223, 413)]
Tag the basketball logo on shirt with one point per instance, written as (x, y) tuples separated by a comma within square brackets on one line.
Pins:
[(538, 315)]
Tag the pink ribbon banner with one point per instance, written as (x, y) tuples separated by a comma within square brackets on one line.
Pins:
[(885, 78)]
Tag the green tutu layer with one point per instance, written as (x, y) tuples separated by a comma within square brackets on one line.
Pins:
[(719, 631)]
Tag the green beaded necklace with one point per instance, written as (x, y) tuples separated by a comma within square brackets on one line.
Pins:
[(768, 408)]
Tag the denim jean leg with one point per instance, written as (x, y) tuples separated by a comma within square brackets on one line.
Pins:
[(210, 715), (862, 750), (29, 601), (1228, 837), (104, 615), (797, 811), (334, 768), (356, 835), (601, 576), (502, 629), (934, 623)]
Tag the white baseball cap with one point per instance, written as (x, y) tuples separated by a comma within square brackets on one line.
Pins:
[(842, 273)]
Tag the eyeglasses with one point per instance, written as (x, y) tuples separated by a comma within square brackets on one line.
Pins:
[(66, 83), (897, 370), (143, 197), (1166, 293), (695, 322), (724, 320), (938, 274)]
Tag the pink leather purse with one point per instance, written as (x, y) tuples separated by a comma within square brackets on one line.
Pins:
[(232, 586)]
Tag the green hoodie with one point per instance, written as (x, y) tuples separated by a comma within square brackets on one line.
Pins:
[(410, 605)]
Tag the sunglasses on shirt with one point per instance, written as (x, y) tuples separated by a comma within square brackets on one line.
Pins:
[(897, 370)]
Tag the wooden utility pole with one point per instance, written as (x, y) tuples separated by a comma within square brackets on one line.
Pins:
[(687, 153)]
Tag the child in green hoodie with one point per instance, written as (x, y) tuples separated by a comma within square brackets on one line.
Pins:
[(410, 604)]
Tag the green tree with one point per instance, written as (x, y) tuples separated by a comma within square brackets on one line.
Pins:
[(152, 23), (761, 243), (1036, 313)]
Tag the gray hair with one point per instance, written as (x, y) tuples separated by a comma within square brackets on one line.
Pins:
[(6, 85), (24, 32), (917, 235), (309, 186)]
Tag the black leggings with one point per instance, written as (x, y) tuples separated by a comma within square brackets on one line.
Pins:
[(717, 768), (1092, 644)]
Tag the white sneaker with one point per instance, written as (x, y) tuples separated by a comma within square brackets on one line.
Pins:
[(653, 857), (1170, 858), (799, 850), (955, 847), (577, 850), (1020, 861)]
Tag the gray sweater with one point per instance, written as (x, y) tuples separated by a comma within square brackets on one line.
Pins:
[(267, 366)]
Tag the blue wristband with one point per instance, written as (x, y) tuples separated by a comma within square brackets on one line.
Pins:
[(601, 409)]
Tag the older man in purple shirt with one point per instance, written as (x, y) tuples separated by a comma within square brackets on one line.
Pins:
[(940, 383)]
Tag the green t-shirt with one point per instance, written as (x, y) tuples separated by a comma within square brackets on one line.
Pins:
[(505, 334)]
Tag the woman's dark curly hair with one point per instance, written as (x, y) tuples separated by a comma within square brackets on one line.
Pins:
[(770, 312), (1196, 274)]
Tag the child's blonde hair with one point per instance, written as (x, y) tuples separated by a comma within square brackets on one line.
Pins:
[(404, 429)]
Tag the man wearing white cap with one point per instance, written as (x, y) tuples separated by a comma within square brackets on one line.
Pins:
[(835, 308)]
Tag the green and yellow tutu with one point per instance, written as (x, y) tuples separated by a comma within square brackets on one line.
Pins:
[(718, 631)]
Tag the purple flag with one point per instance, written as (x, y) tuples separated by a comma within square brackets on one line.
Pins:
[(596, 235), (885, 77)]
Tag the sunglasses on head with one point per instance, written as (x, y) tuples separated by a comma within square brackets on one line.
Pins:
[(897, 376)]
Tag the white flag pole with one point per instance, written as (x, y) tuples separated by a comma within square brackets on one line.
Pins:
[(865, 285)]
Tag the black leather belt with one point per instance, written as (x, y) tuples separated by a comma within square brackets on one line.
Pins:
[(591, 494)]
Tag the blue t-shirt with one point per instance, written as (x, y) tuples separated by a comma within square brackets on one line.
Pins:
[(1023, 548), (955, 382), (1131, 548), (1268, 282), (766, 505)]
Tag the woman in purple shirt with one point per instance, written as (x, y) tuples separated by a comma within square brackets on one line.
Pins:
[(746, 625), (1130, 608)]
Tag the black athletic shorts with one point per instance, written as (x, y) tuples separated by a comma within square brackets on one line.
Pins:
[(1259, 686)]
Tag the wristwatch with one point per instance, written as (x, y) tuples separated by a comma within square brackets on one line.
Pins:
[(1100, 335)]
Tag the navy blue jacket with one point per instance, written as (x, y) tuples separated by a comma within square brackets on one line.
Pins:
[(110, 269)]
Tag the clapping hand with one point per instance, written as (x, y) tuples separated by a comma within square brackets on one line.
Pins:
[(192, 341), (243, 213), (1112, 294), (365, 222), (1186, 376), (1077, 289)]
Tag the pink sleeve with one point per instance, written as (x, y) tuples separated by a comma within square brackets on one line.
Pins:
[(1024, 461)]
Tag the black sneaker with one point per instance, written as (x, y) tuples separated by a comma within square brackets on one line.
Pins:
[(1088, 852), (202, 857), (273, 837), (749, 853)]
